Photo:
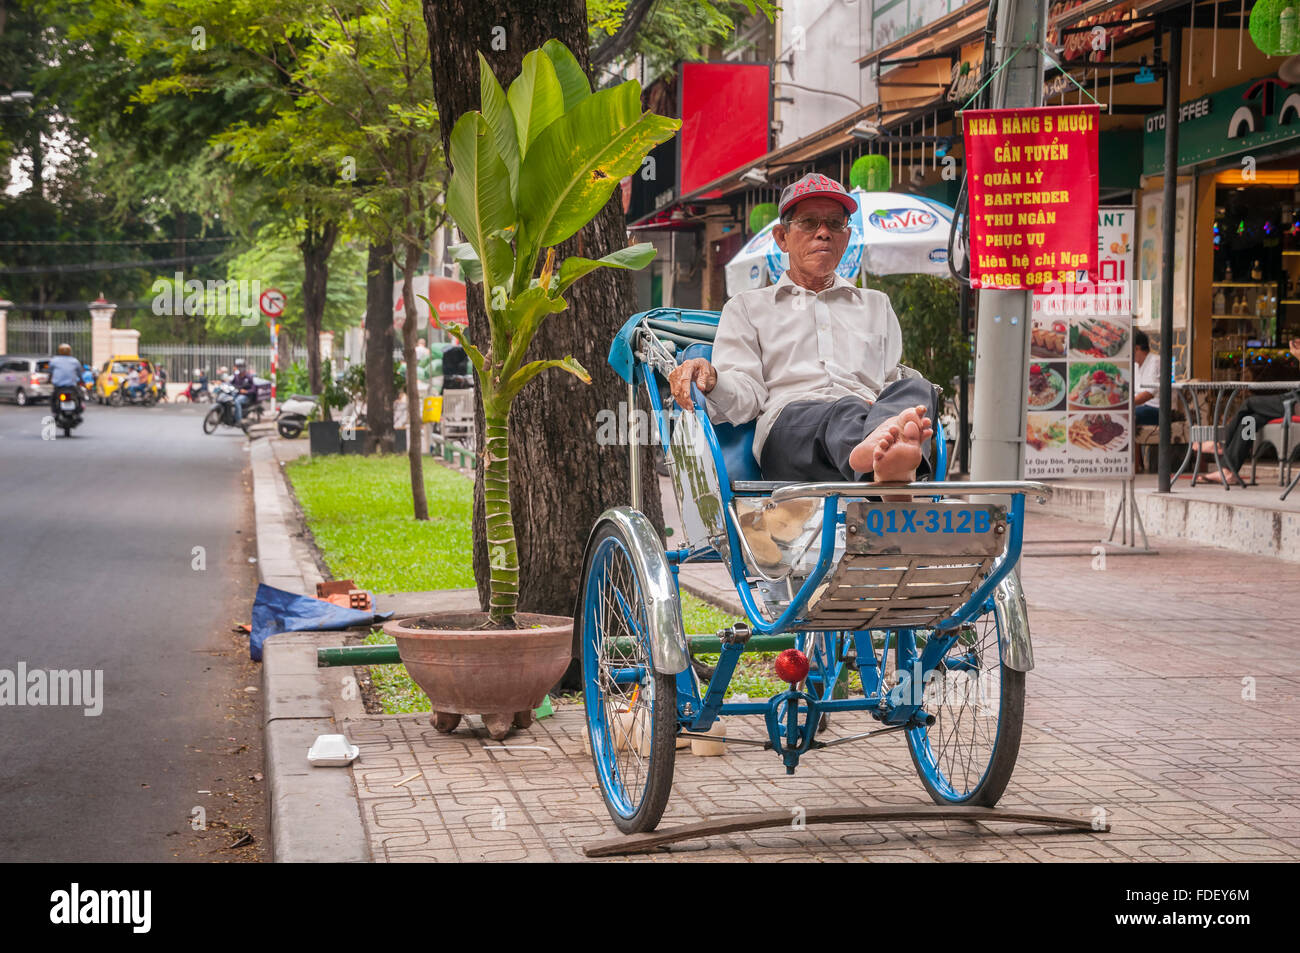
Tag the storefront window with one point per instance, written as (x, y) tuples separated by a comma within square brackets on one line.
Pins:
[(1256, 290)]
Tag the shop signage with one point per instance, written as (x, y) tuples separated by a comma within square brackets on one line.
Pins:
[(1196, 109), (1235, 120), (1079, 44), (1079, 419), (1033, 196)]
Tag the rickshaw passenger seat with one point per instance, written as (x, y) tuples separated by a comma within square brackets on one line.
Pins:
[(735, 441)]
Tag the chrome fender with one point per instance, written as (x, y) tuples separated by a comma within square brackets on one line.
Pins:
[(668, 650), (1013, 623)]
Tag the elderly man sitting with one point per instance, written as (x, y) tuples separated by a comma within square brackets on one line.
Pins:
[(815, 359)]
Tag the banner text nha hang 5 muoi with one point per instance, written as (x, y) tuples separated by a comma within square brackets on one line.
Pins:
[(1032, 178)]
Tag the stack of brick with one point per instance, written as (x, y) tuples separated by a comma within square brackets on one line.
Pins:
[(344, 592)]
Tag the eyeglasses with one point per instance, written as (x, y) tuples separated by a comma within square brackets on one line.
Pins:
[(811, 223)]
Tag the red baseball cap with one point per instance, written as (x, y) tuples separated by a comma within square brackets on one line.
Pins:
[(816, 185)]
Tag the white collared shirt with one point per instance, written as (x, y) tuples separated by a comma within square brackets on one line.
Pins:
[(1146, 376), (783, 343)]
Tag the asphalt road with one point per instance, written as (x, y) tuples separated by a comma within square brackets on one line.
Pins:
[(99, 571)]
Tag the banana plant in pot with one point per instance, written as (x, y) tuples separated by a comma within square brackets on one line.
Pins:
[(530, 167)]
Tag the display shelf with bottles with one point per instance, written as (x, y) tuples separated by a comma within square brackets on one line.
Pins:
[(1244, 316), (1255, 283)]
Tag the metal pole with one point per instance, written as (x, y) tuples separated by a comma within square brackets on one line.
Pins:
[(1173, 67), (963, 396), (633, 448), (1002, 335)]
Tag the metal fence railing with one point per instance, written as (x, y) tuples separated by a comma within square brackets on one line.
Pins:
[(181, 360), (43, 337)]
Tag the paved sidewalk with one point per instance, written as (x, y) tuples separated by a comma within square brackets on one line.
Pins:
[(1137, 707)]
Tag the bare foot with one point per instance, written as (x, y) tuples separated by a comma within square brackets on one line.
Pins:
[(898, 459), (862, 455), (862, 459)]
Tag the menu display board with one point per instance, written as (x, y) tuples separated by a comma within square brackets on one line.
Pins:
[(1032, 175), (1080, 409)]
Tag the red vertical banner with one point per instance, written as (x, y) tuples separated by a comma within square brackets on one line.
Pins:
[(1032, 178)]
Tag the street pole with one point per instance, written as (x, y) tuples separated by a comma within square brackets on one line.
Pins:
[(1173, 71), (1002, 324)]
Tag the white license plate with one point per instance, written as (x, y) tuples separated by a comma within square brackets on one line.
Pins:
[(938, 528)]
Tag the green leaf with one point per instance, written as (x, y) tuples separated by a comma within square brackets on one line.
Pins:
[(523, 316), (634, 257), (469, 264), (572, 79), (479, 197), (535, 98), (526, 311), (496, 110), (574, 165), (526, 373)]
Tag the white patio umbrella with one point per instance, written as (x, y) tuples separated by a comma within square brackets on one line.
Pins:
[(892, 234)]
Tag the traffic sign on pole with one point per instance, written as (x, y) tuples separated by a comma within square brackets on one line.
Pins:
[(271, 302)]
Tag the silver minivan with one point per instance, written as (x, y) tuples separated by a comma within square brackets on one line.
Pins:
[(25, 378)]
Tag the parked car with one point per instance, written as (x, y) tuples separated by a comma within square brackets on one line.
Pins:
[(25, 378), (115, 371)]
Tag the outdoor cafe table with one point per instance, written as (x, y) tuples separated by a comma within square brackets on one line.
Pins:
[(1226, 395)]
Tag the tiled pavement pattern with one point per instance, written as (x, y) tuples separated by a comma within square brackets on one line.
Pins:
[(1135, 707)]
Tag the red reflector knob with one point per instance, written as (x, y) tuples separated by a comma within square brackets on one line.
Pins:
[(791, 666)]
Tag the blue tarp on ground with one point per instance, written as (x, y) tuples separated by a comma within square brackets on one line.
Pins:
[(275, 610)]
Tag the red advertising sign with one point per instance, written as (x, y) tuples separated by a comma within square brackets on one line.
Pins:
[(1032, 176), (447, 295)]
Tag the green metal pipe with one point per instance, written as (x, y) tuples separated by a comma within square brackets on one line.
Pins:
[(358, 655), (387, 654)]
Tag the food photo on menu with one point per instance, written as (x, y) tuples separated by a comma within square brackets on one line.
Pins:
[(1095, 337), (1098, 384), (1045, 434), (1046, 386), (1047, 338), (1099, 432)]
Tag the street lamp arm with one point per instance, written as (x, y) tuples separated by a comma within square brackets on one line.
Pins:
[(813, 89)]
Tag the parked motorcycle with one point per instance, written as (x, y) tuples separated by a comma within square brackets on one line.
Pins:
[(223, 413), (67, 409), (294, 414)]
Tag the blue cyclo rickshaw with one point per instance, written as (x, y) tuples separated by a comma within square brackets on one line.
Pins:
[(919, 597)]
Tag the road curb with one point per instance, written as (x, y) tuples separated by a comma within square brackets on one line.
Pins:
[(315, 812)]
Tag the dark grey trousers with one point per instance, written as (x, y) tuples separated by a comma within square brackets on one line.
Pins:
[(812, 439)]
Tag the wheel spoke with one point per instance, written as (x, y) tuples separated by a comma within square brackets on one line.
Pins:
[(620, 628), (955, 753)]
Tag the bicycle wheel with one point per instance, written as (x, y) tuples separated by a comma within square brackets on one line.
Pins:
[(968, 754), (631, 708), (212, 420)]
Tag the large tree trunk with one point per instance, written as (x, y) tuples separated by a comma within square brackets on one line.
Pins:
[(379, 344), (414, 427), (561, 479), (316, 244)]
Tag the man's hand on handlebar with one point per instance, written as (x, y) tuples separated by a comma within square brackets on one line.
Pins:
[(698, 371)]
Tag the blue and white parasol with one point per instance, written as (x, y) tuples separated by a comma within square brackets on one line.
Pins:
[(892, 234)]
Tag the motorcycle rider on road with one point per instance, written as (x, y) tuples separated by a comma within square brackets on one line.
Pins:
[(242, 382), (65, 377)]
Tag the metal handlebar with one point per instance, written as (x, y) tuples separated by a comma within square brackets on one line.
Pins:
[(793, 491)]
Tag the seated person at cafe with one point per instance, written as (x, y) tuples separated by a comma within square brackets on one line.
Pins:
[(1146, 383), (816, 360), (1259, 410)]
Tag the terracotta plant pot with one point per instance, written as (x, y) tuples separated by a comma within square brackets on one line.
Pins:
[(501, 674)]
